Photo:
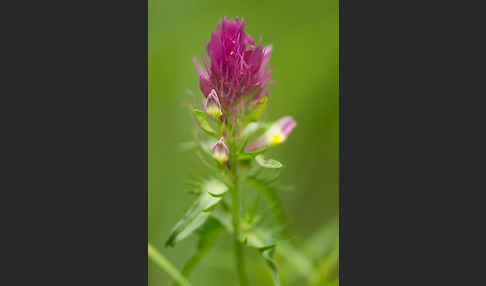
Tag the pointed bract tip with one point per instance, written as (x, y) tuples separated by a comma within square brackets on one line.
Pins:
[(213, 106), (220, 151)]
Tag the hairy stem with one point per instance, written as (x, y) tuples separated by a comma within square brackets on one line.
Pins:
[(240, 259)]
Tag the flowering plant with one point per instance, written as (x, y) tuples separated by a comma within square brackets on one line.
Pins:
[(232, 141)]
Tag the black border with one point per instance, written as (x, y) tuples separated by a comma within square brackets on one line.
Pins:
[(77, 165)]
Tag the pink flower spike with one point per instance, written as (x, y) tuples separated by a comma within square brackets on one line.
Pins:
[(235, 68)]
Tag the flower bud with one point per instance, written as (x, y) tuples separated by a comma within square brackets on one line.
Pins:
[(276, 134), (213, 107), (220, 151), (279, 131)]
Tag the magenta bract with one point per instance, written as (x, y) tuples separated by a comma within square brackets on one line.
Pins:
[(236, 68)]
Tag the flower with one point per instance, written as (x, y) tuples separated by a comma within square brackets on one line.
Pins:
[(220, 151), (236, 68), (275, 135), (213, 107)]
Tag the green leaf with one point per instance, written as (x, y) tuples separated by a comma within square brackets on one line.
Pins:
[(267, 254), (261, 238), (270, 194), (224, 218), (199, 211), (317, 259), (250, 155), (264, 175), (215, 188), (208, 235), (255, 236), (268, 163), (252, 210), (265, 241), (202, 120)]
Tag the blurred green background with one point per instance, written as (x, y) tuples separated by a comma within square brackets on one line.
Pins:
[(305, 60)]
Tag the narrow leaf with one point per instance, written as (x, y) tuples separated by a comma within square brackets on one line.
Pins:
[(216, 188), (224, 218), (268, 163), (267, 254), (264, 175), (270, 194), (202, 120), (208, 234), (199, 211), (264, 239), (250, 155)]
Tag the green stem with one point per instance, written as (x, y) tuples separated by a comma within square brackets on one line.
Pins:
[(165, 264), (240, 259)]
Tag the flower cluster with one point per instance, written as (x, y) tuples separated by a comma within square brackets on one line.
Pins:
[(236, 70), (234, 83)]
